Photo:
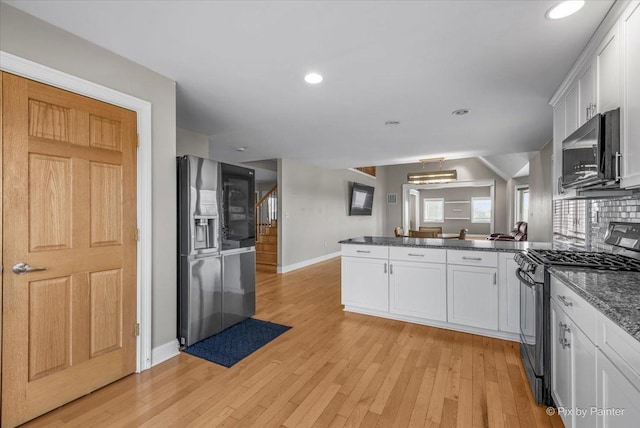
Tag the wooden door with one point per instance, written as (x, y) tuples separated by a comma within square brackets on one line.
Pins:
[(69, 199)]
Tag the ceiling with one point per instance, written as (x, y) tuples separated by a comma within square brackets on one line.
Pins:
[(239, 68)]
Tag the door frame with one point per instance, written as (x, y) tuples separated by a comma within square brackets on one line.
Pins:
[(31, 70)]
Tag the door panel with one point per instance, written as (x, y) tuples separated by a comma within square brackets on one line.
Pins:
[(50, 352), (71, 162), (49, 192), (106, 208)]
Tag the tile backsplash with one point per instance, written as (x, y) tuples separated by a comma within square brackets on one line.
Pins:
[(582, 224)]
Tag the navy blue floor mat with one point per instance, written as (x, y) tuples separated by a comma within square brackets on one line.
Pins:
[(233, 344)]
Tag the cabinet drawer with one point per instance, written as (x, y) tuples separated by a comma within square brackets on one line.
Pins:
[(581, 313), (369, 251), (427, 255), (620, 347), (472, 258)]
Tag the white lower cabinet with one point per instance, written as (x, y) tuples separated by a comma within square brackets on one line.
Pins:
[(508, 294), (561, 371), (368, 283), (618, 397), (584, 352), (573, 369), (472, 296), (418, 289)]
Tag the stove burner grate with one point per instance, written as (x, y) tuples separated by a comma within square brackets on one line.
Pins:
[(602, 261)]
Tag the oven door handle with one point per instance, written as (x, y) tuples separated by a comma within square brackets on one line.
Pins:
[(525, 279)]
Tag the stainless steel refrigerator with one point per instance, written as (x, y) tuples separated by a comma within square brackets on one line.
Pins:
[(216, 252)]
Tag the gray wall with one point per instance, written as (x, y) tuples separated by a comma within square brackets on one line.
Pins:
[(457, 194), (191, 143), (540, 196), (469, 169), (511, 188), (314, 210), (33, 39)]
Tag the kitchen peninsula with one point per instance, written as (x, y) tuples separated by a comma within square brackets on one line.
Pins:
[(463, 285)]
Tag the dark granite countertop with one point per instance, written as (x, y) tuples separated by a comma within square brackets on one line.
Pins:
[(615, 294), (450, 244)]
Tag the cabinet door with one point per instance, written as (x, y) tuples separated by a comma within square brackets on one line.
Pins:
[(365, 283), (508, 294), (608, 72), (586, 94), (559, 134), (584, 377), (571, 110), (615, 391), (630, 32), (418, 289), (560, 361), (472, 296)]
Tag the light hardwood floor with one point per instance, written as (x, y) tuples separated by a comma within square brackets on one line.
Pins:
[(331, 369)]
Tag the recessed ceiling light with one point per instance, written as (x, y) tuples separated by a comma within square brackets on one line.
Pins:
[(564, 9), (460, 112), (313, 78), (392, 122)]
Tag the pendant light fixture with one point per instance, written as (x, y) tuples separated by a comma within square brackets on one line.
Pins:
[(432, 177)]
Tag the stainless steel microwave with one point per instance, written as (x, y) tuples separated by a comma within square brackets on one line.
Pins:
[(591, 155)]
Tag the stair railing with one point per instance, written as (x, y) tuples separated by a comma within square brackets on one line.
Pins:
[(266, 211)]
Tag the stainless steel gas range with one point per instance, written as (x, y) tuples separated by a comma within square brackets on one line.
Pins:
[(534, 278)]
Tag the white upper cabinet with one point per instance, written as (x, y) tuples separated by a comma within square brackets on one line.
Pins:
[(571, 111), (608, 71), (605, 77), (558, 136), (630, 38), (586, 93)]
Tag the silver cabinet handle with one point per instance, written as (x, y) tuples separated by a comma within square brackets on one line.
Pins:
[(563, 337), (560, 188), (495, 278), (415, 255), (471, 258), (362, 251), (391, 268), (21, 268), (385, 268), (618, 161), (589, 112), (560, 333), (564, 300)]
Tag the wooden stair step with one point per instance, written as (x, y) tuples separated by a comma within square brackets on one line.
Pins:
[(267, 246), (269, 231), (266, 257), (267, 239), (267, 267)]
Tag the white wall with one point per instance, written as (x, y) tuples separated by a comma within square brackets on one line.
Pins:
[(35, 40), (470, 169), (314, 210), (191, 143), (541, 196), (511, 201)]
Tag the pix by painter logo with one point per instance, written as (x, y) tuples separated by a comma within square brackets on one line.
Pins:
[(582, 412)]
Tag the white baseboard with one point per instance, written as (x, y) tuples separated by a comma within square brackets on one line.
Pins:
[(305, 263), (164, 352), (514, 337)]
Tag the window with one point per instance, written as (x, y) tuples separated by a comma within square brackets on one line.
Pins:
[(433, 210), (481, 209), (522, 203)]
